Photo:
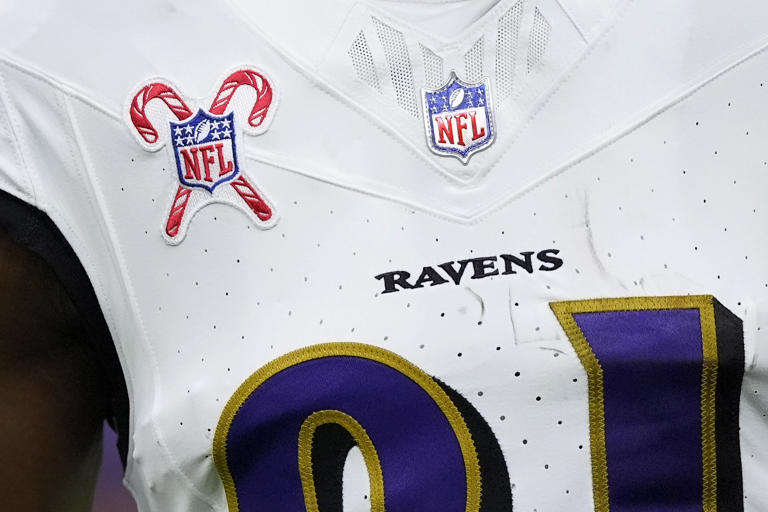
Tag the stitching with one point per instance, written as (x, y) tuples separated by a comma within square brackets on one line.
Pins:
[(107, 307), (479, 216), (384, 126), (444, 45), (113, 245), (474, 218), (609, 141), (67, 90), (363, 442), (572, 20), (83, 254), (17, 141), (185, 200), (708, 405), (564, 312), (555, 88), (250, 154), (319, 83), (595, 386), (63, 86), (383, 356)]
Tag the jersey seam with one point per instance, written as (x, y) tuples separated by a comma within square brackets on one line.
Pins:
[(339, 97), (59, 84), (321, 84), (573, 21), (127, 283), (644, 118), (102, 296), (594, 148), (544, 100), (26, 171), (482, 214), (64, 92), (70, 234), (386, 128)]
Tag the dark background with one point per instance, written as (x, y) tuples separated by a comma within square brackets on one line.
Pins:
[(111, 495)]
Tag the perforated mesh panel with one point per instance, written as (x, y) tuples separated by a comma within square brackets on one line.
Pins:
[(539, 39), (507, 35), (396, 52), (473, 61), (362, 61), (433, 67)]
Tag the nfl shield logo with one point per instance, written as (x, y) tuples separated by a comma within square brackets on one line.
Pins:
[(204, 147), (458, 118)]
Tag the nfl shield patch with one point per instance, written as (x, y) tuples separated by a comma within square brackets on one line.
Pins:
[(204, 147), (458, 118)]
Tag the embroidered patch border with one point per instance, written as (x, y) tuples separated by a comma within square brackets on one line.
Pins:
[(458, 118), (204, 145)]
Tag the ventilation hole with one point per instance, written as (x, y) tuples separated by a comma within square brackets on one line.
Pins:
[(473, 61), (433, 67), (539, 39), (362, 61), (396, 51), (506, 49)]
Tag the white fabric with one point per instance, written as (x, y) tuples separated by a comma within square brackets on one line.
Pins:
[(607, 151)]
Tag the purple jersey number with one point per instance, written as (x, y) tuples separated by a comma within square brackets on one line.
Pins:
[(664, 377), (664, 380), (283, 438)]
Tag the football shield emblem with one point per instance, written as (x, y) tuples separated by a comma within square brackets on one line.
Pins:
[(204, 147), (458, 118)]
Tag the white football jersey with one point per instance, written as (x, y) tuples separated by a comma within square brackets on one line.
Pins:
[(466, 256)]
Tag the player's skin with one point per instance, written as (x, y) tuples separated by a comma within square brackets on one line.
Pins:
[(52, 395)]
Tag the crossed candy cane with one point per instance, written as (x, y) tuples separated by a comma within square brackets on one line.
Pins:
[(167, 94)]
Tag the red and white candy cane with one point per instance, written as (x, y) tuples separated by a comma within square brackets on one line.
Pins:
[(140, 120), (250, 78), (174, 102), (138, 110), (176, 215)]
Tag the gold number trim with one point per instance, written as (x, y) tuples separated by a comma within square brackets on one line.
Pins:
[(564, 312), (427, 383), (363, 441)]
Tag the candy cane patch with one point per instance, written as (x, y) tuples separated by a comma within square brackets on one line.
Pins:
[(204, 144)]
